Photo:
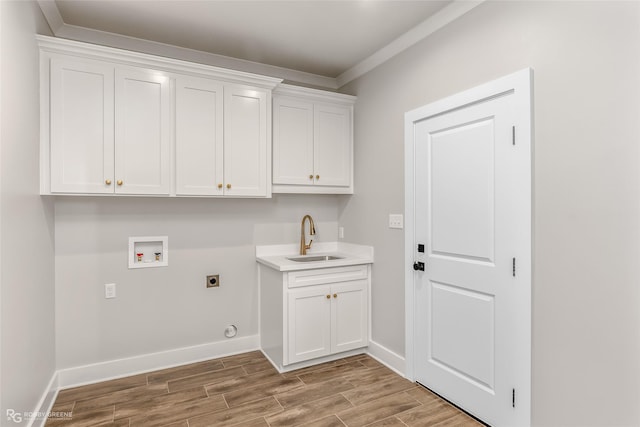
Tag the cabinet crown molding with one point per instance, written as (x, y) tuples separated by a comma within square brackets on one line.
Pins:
[(315, 94), (130, 58)]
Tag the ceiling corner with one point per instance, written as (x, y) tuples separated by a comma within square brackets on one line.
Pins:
[(51, 14), (421, 31)]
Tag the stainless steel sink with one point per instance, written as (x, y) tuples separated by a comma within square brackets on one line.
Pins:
[(314, 258)]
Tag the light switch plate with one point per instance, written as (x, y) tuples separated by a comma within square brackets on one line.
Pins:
[(396, 221)]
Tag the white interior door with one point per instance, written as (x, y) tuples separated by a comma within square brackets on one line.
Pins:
[(471, 201)]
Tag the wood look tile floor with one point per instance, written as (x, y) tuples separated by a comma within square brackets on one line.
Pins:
[(245, 390)]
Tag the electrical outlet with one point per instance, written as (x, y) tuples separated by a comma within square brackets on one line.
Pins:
[(110, 290), (341, 232), (396, 221)]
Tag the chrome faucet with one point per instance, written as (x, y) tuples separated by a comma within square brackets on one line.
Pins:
[(312, 232)]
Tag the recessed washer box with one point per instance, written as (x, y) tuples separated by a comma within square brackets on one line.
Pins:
[(148, 251)]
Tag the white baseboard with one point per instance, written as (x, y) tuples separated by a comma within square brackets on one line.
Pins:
[(392, 360), (104, 371), (39, 415)]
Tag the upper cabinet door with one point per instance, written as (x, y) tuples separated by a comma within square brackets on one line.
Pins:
[(292, 141), (246, 142), (332, 145), (81, 114), (142, 132), (199, 137)]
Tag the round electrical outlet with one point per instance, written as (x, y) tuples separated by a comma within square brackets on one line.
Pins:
[(230, 331)]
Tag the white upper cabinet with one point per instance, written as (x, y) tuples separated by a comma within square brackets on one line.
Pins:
[(199, 137), (82, 126), (292, 141), (246, 147), (312, 141), (222, 139), (332, 145), (142, 147), (119, 122), (110, 129)]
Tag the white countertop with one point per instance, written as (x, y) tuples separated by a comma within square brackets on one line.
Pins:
[(276, 256)]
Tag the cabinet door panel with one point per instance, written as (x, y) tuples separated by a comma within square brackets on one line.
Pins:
[(332, 145), (309, 321), (81, 126), (292, 141), (199, 137), (245, 142), (142, 132), (349, 316)]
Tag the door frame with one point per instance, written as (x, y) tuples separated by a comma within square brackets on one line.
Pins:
[(521, 84)]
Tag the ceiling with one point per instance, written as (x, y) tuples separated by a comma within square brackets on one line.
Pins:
[(321, 38)]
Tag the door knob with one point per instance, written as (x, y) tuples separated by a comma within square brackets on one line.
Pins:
[(418, 266)]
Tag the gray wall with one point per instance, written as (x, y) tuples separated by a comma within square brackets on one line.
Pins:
[(166, 308), (27, 356), (586, 297)]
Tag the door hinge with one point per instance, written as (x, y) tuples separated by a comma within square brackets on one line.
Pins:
[(513, 135), (513, 267), (513, 397)]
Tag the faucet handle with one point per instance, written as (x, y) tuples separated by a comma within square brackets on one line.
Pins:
[(309, 245)]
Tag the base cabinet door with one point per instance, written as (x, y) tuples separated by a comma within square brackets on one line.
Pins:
[(309, 323), (349, 316)]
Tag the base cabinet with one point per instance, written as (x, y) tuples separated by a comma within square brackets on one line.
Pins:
[(313, 314), (325, 320)]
